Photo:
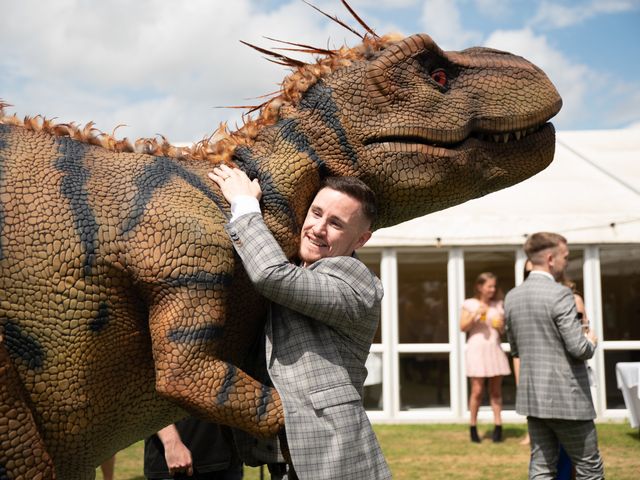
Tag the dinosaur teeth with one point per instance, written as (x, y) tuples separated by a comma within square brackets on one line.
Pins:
[(503, 137)]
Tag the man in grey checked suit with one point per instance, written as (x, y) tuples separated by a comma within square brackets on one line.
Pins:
[(323, 317), (553, 392)]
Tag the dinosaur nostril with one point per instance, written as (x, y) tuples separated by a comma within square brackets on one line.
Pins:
[(379, 85)]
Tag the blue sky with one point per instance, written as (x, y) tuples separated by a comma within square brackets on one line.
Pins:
[(162, 67)]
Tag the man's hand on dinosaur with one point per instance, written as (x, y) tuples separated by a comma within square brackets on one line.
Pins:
[(234, 182)]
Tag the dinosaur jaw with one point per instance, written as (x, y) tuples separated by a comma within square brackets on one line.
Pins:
[(417, 170), (412, 139)]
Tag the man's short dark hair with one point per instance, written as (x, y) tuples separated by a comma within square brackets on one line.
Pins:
[(540, 241), (356, 189)]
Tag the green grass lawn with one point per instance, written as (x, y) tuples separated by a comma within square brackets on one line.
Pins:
[(439, 451)]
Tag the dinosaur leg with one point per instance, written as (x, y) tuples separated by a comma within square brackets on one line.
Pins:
[(23, 455), (222, 393), (197, 347)]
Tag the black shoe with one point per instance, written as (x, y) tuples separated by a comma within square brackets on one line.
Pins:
[(473, 432), (497, 433)]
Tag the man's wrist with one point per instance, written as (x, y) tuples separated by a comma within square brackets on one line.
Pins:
[(243, 205)]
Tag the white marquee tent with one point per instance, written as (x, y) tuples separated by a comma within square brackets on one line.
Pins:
[(590, 193)]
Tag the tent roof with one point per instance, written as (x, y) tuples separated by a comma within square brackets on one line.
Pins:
[(590, 194)]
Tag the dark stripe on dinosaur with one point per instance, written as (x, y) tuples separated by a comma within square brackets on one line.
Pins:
[(209, 280), (227, 385), (271, 198), (319, 98), (290, 131), (3, 148), (23, 346), (246, 162), (157, 173), (265, 400), (195, 334), (101, 319), (73, 188)]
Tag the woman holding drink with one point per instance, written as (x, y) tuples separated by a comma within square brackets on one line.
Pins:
[(482, 318)]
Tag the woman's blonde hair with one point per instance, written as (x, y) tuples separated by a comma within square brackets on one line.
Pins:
[(481, 280)]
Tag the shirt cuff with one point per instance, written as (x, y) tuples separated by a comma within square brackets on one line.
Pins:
[(242, 205)]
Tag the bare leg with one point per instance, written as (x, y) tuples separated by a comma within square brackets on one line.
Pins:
[(475, 398), (108, 468), (477, 387), (495, 395)]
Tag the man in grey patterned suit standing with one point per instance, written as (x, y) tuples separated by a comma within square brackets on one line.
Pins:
[(324, 314), (544, 331)]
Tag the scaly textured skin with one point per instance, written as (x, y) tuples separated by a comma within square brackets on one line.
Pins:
[(21, 441), (121, 301)]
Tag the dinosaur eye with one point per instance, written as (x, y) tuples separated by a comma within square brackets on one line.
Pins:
[(439, 76)]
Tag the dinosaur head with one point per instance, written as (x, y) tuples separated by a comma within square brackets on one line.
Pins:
[(427, 129)]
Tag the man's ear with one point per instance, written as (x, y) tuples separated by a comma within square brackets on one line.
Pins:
[(364, 238), (549, 257)]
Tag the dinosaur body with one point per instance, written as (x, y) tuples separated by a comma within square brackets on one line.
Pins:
[(122, 304)]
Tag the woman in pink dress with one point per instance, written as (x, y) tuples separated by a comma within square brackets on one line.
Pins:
[(482, 318)]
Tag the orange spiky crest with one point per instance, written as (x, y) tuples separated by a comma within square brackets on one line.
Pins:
[(292, 89), (220, 146)]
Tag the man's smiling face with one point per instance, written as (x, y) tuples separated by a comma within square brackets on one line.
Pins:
[(335, 226)]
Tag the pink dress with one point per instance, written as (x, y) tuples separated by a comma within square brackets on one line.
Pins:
[(484, 356)]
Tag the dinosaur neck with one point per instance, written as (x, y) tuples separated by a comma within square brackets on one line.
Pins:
[(290, 173)]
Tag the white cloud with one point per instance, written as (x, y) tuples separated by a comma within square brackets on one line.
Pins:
[(494, 8), (158, 66), (572, 80), (556, 15), (441, 18)]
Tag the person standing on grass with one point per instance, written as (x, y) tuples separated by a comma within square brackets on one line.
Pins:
[(323, 315), (482, 318), (553, 390)]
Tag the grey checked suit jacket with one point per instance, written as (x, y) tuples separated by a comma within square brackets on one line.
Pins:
[(545, 332), (322, 322)]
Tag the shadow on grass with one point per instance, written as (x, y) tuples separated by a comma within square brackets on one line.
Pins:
[(634, 435), (507, 432), (514, 432)]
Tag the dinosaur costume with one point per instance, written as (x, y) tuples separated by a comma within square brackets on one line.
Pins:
[(122, 305)]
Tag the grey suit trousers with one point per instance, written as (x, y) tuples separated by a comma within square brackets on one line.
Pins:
[(579, 439)]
